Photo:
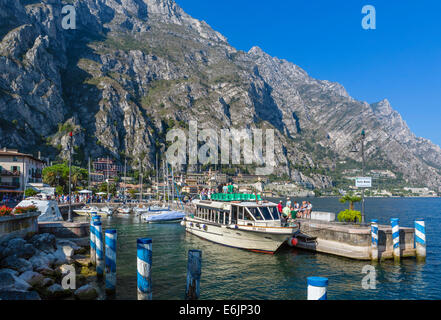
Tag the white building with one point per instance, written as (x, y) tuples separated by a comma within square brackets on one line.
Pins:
[(17, 170)]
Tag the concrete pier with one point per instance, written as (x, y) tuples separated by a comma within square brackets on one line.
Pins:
[(352, 240)]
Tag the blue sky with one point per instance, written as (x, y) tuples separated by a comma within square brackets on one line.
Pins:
[(400, 60)]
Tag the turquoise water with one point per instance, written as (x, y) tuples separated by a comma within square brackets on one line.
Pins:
[(229, 273)]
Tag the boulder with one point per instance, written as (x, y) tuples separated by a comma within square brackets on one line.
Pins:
[(86, 292), (42, 260), (56, 291), (65, 242), (14, 246), (45, 242), (61, 257), (18, 295), (81, 260), (10, 282), (19, 247), (13, 272), (15, 263), (47, 282), (33, 278)]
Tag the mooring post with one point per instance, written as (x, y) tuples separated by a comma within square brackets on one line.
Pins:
[(396, 238), (144, 253), (99, 249), (110, 260), (420, 239), (92, 239), (317, 288), (374, 236), (194, 269)]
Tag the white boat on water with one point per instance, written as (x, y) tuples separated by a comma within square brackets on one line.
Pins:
[(124, 210), (163, 216), (248, 224), (90, 210), (139, 210)]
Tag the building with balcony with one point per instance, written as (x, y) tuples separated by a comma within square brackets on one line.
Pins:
[(18, 170), (108, 167)]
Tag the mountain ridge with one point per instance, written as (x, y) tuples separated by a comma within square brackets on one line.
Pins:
[(134, 67)]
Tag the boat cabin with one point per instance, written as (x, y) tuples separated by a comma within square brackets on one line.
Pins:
[(238, 213)]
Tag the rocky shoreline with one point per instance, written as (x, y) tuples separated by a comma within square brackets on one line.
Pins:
[(33, 268)]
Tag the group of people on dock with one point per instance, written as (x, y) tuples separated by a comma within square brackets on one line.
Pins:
[(295, 210)]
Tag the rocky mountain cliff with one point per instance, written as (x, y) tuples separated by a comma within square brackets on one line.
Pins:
[(132, 69)]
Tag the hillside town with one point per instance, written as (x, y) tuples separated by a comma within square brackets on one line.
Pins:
[(20, 172)]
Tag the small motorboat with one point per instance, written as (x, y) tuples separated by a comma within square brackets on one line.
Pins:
[(158, 209), (139, 210), (88, 210), (107, 210), (164, 216), (123, 210)]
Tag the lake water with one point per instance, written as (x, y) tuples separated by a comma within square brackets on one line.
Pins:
[(229, 273)]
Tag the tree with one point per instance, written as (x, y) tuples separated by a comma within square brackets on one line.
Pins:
[(30, 192), (351, 198), (58, 175), (132, 193)]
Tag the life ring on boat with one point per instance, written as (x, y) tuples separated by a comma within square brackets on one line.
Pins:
[(292, 242), (204, 227), (183, 223)]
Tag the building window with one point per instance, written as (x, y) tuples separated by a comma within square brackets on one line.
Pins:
[(14, 159)]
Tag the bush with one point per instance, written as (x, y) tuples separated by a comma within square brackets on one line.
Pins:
[(5, 211), (349, 216), (30, 192)]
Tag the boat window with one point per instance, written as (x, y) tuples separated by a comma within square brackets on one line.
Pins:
[(241, 213), (234, 216), (266, 213), (233, 213), (221, 217), (275, 213), (227, 217), (255, 214)]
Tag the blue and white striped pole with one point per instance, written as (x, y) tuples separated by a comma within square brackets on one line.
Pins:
[(420, 239), (317, 288), (92, 239), (144, 252), (193, 274), (396, 237), (99, 249), (110, 260), (374, 236)]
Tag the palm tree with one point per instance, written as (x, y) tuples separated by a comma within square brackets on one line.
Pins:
[(351, 198)]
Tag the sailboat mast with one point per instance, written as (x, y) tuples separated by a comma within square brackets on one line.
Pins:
[(125, 164), (140, 192), (157, 178), (163, 183)]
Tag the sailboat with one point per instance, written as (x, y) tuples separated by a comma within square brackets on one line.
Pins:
[(163, 214)]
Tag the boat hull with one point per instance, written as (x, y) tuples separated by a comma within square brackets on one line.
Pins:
[(237, 238)]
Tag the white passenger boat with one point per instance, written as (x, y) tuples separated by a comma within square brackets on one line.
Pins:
[(251, 225)]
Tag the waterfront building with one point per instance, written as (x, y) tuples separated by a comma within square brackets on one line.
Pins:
[(108, 167), (17, 170)]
